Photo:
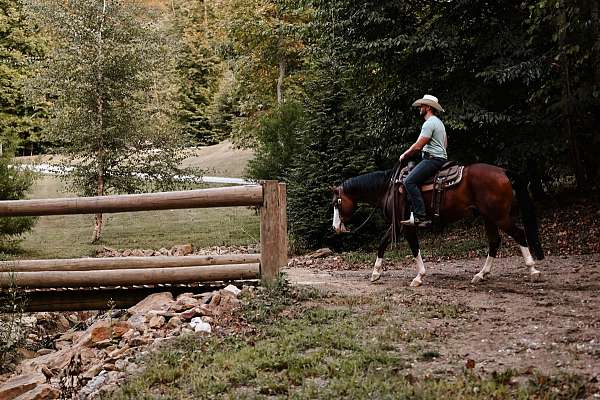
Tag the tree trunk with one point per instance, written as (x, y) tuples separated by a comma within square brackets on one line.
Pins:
[(282, 68), (594, 172), (567, 101), (100, 146)]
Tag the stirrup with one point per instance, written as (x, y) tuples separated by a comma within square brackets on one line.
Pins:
[(412, 221)]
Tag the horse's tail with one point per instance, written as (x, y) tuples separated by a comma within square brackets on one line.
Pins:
[(527, 214)]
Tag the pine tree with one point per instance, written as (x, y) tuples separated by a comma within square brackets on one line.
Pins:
[(19, 45), (200, 67)]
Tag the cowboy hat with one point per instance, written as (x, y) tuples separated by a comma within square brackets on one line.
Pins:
[(429, 100)]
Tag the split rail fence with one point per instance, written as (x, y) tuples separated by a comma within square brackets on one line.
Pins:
[(269, 196)]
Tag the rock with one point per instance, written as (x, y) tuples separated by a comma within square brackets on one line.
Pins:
[(121, 365), (92, 372), (29, 320), (62, 323), (138, 322), (148, 253), (109, 367), (25, 353), (93, 385), (20, 384), (118, 353), (43, 352), (215, 299), (126, 253), (186, 301), (200, 326), (324, 252), (156, 322), (156, 301), (101, 344), (232, 289), (40, 392), (67, 336), (174, 323), (139, 341), (182, 250), (197, 312), (103, 333), (163, 251), (62, 344)]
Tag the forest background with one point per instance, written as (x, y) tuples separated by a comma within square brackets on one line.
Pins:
[(322, 90)]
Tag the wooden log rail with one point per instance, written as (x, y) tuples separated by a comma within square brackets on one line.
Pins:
[(270, 197)]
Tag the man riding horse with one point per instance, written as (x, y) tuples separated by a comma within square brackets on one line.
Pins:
[(494, 194), (432, 143)]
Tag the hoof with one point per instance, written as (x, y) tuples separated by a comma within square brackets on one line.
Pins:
[(535, 276), (416, 282), (375, 276), (477, 278)]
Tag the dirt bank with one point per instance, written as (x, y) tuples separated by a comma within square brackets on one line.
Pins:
[(505, 322)]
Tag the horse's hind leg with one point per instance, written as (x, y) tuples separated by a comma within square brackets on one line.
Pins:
[(519, 235), (378, 267), (413, 241), (493, 236)]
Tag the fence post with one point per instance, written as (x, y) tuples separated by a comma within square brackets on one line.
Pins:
[(273, 231)]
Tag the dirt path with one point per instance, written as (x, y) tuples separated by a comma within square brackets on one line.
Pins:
[(505, 322)]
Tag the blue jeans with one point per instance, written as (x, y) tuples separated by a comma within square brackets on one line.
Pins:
[(422, 171)]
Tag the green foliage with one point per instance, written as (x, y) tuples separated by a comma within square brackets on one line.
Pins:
[(14, 184), (263, 42), (19, 46), (492, 66), (116, 113), (200, 67), (277, 142), (12, 334), (336, 348)]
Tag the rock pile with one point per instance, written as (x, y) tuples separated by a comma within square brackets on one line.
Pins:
[(86, 361), (178, 250)]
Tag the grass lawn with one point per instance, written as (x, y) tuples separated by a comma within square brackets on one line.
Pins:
[(301, 345), (70, 236)]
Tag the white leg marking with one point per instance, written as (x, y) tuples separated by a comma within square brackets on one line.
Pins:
[(337, 222), (377, 270), (420, 271), (534, 273), (487, 268)]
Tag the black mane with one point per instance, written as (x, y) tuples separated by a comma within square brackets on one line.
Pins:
[(367, 186)]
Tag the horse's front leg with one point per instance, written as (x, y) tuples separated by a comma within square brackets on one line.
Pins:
[(493, 236), (378, 267), (413, 241)]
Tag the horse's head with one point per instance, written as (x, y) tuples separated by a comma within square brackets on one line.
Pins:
[(343, 208)]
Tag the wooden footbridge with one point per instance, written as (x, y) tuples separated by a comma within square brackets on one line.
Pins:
[(89, 283)]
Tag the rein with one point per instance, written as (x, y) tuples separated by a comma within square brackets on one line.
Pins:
[(366, 220), (339, 206)]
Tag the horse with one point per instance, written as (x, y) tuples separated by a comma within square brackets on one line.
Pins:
[(494, 193)]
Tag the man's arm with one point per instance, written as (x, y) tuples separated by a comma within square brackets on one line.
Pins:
[(416, 147)]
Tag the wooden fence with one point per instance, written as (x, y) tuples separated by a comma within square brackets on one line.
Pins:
[(270, 197)]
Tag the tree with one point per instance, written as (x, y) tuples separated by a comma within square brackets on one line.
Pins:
[(200, 67), (19, 46), (115, 109), (14, 184), (263, 40)]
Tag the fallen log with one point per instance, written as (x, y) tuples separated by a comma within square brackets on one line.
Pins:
[(126, 277), (110, 263)]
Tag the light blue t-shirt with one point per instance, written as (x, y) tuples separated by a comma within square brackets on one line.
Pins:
[(434, 128)]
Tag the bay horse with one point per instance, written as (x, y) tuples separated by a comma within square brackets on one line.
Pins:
[(486, 190)]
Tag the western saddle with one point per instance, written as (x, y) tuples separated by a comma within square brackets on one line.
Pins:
[(449, 175)]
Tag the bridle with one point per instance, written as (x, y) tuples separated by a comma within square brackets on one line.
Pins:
[(338, 205)]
